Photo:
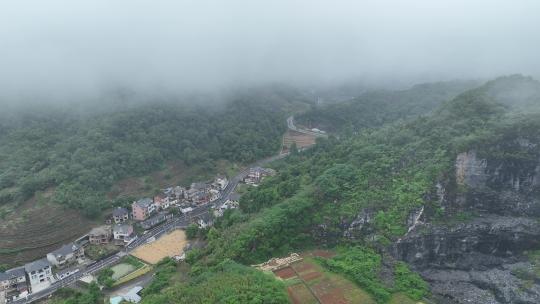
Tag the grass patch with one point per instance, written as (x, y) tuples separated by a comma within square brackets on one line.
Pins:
[(121, 270), (362, 265), (133, 275), (292, 281), (409, 282), (97, 252), (401, 298), (133, 261)]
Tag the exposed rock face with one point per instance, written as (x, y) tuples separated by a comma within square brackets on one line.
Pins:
[(470, 170), (473, 262), (360, 226), (482, 260), (478, 244)]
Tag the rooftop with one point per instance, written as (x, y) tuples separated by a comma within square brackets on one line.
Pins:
[(123, 229), (144, 202), (16, 272), (100, 230), (155, 219), (37, 265), (4, 276), (12, 273), (120, 211), (206, 217), (234, 197), (199, 186), (66, 249), (133, 294)]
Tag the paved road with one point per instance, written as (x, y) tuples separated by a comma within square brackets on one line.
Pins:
[(181, 221)]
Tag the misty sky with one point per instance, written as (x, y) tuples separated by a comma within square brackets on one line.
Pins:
[(71, 48)]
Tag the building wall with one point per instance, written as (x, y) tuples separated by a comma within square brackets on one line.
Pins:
[(99, 239), (42, 276), (139, 214), (121, 219)]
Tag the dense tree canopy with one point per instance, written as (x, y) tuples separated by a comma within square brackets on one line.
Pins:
[(227, 283), (83, 156), (389, 171), (375, 108)]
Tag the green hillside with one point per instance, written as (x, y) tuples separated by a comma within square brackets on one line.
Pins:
[(389, 171)]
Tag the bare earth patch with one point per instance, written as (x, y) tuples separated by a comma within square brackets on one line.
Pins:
[(322, 253), (302, 140), (327, 287), (303, 267), (285, 273), (300, 294), (311, 276), (168, 245)]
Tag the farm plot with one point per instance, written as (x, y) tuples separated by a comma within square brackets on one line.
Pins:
[(38, 229), (308, 282), (300, 139), (167, 246), (329, 288), (300, 294)]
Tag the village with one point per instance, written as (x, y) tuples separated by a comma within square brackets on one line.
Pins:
[(123, 231)]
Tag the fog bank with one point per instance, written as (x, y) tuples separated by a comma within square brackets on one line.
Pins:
[(61, 49)]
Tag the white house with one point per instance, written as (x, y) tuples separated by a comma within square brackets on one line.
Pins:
[(205, 220), (66, 255), (122, 233), (221, 182), (230, 203), (40, 274)]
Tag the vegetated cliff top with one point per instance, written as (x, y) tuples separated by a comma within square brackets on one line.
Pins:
[(370, 188), (375, 108)]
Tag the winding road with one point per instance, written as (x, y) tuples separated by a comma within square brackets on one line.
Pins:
[(178, 222), (292, 126)]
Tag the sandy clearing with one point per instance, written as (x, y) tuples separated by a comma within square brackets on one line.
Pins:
[(168, 245)]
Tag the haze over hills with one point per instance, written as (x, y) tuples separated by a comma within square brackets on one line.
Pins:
[(411, 174), (268, 152)]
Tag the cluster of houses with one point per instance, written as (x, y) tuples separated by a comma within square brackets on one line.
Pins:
[(18, 282), (257, 174), (119, 230)]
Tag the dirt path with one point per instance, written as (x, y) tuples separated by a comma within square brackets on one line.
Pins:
[(305, 283)]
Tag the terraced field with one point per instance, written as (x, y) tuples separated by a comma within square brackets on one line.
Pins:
[(302, 140), (308, 282), (38, 229)]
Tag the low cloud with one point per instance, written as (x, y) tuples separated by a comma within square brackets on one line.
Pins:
[(61, 49)]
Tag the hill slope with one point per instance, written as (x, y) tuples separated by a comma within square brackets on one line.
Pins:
[(454, 194), (54, 157), (375, 108)]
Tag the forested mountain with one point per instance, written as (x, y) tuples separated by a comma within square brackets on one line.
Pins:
[(455, 194), (82, 155), (374, 108)]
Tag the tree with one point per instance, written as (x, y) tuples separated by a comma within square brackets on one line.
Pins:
[(105, 277), (192, 231), (293, 149)]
